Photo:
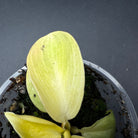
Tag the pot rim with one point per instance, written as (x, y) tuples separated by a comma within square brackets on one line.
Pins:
[(129, 104)]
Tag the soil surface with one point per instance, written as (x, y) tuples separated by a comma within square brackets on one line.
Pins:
[(16, 99), (92, 109)]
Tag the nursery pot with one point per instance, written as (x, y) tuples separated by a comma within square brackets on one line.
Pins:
[(110, 89)]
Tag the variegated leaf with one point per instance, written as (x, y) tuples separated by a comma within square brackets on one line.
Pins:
[(33, 127), (56, 69)]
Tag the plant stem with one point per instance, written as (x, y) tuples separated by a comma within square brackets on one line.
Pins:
[(66, 125)]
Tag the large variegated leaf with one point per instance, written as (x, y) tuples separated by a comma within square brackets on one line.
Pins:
[(33, 127), (103, 128), (57, 73)]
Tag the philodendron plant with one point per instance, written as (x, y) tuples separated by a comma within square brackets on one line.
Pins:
[(55, 82)]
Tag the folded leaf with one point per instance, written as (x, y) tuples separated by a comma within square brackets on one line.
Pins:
[(56, 70), (33, 127), (103, 128)]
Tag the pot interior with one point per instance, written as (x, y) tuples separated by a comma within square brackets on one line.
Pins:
[(115, 96)]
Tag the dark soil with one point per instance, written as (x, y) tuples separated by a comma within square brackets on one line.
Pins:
[(92, 109), (93, 106)]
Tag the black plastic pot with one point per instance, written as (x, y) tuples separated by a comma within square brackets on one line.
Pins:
[(110, 89)]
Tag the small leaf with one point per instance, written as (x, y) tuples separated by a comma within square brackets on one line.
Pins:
[(66, 134), (33, 127), (33, 94), (103, 128), (56, 70)]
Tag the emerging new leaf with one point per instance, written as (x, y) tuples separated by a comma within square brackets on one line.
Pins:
[(103, 128), (33, 127), (56, 71)]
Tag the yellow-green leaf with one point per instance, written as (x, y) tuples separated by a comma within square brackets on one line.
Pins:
[(103, 128), (33, 94), (33, 127), (56, 70), (66, 134)]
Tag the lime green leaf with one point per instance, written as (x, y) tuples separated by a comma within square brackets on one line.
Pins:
[(56, 70), (103, 128), (33, 127), (33, 94), (75, 136)]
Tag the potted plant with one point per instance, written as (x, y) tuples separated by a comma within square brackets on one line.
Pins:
[(55, 82)]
